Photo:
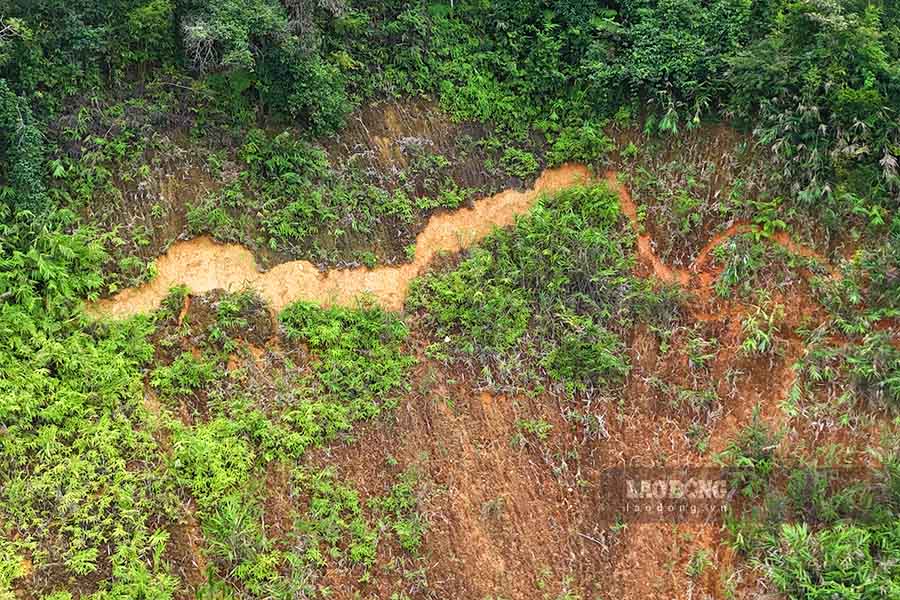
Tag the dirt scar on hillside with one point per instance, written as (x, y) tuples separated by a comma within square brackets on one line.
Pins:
[(204, 265)]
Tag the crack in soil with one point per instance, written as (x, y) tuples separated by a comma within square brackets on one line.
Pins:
[(644, 242), (685, 277), (204, 265)]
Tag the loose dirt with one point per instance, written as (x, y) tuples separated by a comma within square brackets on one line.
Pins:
[(204, 265)]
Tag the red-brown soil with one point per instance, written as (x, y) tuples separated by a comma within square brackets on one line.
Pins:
[(519, 519)]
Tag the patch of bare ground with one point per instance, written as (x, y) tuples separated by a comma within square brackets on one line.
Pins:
[(384, 137), (185, 552), (279, 507), (644, 241), (515, 518), (204, 265), (410, 144), (654, 427), (506, 518)]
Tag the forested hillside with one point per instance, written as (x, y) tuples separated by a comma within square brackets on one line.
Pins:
[(344, 299)]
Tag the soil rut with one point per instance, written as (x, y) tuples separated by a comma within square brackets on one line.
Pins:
[(204, 265)]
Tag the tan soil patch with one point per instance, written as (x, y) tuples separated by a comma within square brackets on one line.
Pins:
[(204, 265)]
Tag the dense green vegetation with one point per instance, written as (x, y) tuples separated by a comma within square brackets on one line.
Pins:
[(817, 531), (125, 124), (818, 80), (551, 296), (77, 430)]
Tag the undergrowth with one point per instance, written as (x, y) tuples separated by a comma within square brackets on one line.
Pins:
[(75, 431), (349, 366), (357, 354), (816, 531), (550, 297)]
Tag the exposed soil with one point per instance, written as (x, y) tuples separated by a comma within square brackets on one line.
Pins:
[(185, 549), (204, 265), (523, 521), (686, 184), (500, 524), (383, 138), (696, 276)]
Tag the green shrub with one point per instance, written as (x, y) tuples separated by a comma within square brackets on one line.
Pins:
[(335, 520), (399, 512), (699, 563), (502, 313), (760, 330), (75, 430), (823, 70), (866, 370), (11, 568), (213, 460), (829, 534), (742, 259), (847, 561), (874, 367), (751, 456), (550, 293), (358, 361), (22, 156), (186, 375), (519, 163), (867, 290), (539, 428), (587, 144)]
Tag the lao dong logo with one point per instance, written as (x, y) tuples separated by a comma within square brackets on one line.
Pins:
[(673, 493), (675, 489)]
